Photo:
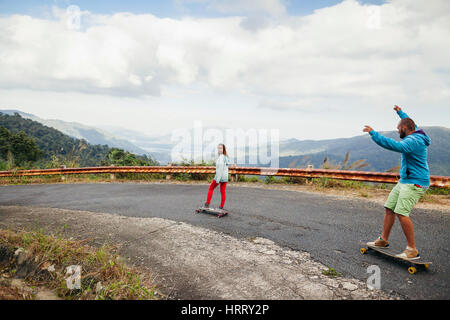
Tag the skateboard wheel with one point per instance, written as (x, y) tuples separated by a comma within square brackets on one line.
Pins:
[(426, 265), (412, 270), (363, 250)]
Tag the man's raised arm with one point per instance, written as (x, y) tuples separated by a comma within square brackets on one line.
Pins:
[(405, 146), (401, 114)]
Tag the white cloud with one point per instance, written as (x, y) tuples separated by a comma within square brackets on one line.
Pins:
[(330, 54)]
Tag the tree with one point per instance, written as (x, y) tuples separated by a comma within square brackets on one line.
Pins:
[(19, 145), (119, 157)]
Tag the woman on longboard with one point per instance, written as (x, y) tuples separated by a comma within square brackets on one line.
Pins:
[(221, 177)]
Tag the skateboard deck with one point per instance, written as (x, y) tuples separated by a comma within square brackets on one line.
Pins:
[(214, 211), (390, 253)]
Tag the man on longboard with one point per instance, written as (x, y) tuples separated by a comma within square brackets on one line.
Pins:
[(413, 183)]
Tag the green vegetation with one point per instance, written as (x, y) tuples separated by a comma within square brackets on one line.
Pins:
[(104, 276), (26, 144), (430, 195), (17, 148), (119, 157), (245, 178), (193, 176), (272, 179), (439, 191), (331, 272)]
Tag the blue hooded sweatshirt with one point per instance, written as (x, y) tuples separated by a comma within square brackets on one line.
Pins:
[(414, 167)]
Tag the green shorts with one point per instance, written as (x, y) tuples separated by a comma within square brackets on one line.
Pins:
[(403, 198)]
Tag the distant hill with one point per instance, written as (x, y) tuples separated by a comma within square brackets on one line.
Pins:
[(55, 144), (158, 147), (304, 152), (80, 131)]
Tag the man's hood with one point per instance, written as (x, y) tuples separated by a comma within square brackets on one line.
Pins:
[(420, 134)]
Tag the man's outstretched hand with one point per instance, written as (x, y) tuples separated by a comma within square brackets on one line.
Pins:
[(367, 129), (397, 108)]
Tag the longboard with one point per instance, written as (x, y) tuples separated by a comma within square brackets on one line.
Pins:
[(388, 252), (214, 211)]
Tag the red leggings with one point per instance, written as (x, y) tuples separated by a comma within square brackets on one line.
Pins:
[(212, 186)]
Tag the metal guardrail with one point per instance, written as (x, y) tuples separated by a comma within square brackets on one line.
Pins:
[(381, 177)]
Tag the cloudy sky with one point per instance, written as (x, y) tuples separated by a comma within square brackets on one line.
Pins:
[(312, 69)]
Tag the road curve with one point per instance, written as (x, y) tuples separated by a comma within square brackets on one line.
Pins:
[(328, 227)]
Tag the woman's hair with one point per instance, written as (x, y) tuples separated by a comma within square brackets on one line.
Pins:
[(224, 149)]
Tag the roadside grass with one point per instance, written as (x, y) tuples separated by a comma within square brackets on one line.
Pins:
[(328, 183), (14, 293), (104, 276), (106, 177), (331, 272), (439, 191)]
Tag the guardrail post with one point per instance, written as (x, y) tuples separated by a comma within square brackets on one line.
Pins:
[(309, 180), (63, 177), (112, 176), (169, 176)]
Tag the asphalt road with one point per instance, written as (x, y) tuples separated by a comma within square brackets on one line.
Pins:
[(327, 227)]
